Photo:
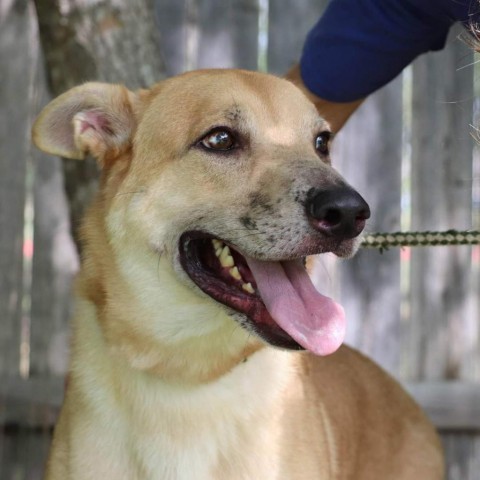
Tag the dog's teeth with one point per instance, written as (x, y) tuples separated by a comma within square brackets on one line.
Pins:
[(248, 287), (217, 246), (217, 243), (235, 273), (226, 260)]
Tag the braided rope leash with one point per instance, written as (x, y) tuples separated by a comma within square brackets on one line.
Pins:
[(384, 241)]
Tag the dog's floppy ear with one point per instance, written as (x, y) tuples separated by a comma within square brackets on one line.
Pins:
[(94, 118)]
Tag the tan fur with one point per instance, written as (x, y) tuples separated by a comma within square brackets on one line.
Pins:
[(164, 382)]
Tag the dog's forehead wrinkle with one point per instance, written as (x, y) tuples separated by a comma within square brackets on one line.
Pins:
[(234, 113), (231, 117)]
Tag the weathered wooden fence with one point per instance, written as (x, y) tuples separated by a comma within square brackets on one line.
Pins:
[(408, 150)]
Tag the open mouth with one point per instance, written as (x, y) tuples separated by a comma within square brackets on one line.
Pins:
[(279, 301)]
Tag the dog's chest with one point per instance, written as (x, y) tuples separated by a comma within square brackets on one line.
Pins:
[(226, 431), (209, 455)]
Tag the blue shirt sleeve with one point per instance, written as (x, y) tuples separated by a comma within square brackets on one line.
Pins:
[(358, 46)]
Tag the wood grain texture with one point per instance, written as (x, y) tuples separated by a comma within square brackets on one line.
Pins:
[(14, 151), (227, 34), (288, 25), (443, 331)]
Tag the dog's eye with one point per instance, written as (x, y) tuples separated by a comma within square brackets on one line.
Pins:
[(218, 140), (322, 143)]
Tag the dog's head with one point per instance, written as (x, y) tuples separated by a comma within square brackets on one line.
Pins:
[(223, 179)]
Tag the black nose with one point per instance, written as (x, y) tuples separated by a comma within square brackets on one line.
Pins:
[(337, 212)]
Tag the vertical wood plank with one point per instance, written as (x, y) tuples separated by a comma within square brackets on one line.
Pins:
[(14, 148), (211, 34), (22, 452), (227, 34), (288, 26), (172, 20), (369, 154), (440, 326)]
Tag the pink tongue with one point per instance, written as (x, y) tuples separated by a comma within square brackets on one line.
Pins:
[(315, 321)]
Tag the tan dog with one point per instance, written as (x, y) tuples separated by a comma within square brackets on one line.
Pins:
[(216, 184)]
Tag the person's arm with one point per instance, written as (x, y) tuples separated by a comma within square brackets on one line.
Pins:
[(358, 46), (336, 114)]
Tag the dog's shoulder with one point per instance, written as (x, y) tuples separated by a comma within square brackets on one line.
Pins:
[(364, 385), (365, 406)]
